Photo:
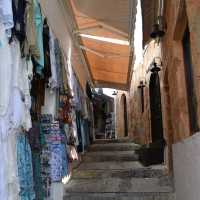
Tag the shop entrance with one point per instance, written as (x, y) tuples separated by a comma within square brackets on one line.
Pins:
[(156, 110)]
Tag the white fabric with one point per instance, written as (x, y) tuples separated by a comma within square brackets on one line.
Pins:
[(57, 191), (5, 72), (6, 15), (11, 170), (53, 80), (9, 186), (21, 89), (3, 186), (15, 103)]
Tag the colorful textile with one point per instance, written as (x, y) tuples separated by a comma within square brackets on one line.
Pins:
[(56, 163), (34, 137), (39, 37), (45, 154), (45, 170), (53, 80), (59, 62), (25, 170), (37, 176)]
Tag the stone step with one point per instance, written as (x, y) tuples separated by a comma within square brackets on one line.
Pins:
[(102, 156), (123, 173), (119, 196), (106, 141), (114, 147), (118, 185), (109, 165)]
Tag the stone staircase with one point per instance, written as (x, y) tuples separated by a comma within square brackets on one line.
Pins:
[(111, 171)]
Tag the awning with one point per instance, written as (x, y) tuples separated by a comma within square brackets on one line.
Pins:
[(104, 28), (149, 13)]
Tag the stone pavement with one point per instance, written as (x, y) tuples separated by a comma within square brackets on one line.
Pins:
[(111, 171)]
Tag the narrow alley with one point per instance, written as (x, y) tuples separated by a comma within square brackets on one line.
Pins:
[(99, 99), (111, 170)]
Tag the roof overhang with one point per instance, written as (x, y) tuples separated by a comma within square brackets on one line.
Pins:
[(104, 31)]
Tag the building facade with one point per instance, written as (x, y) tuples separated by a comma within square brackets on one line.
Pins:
[(166, 103)]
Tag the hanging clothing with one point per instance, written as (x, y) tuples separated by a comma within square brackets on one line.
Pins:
[(57, 191), (31, 43), (38, 185), (59, 63), (34, 137), (53, 80), (46, 121), (79, 132), (12, 170), (3, 175), (47, 64), (5, 72), (57, 141), (56, 162), (39, 37), (19, 21), (21, 99), (6, 16), (25, 170)]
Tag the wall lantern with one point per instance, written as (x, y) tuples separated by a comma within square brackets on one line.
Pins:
[(158, 29), (156, 65), (141, 85), (114, 93)]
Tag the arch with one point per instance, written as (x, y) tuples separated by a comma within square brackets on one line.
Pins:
[(124, 124), (155, 108)]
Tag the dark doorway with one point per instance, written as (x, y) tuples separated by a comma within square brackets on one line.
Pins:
[(191, 96), (153, 153), (125, 115), (156, 110)]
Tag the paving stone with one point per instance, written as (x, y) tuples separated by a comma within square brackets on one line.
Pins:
[(111, 171), (114, 147), (101, 156)]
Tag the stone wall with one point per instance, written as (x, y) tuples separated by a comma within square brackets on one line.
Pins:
[(138, 119), (174, 96)]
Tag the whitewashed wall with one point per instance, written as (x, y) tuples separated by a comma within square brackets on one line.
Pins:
[(186, 156)]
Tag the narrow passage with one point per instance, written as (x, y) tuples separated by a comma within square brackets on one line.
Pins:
[(111, 170)]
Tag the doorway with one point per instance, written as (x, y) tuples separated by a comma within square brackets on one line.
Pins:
[(125, 116), (189, 75), (155, 108)]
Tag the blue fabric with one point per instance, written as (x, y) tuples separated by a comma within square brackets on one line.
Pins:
[(39, 37), (56, 163), (25, 170), (59, 167), (37, 176)]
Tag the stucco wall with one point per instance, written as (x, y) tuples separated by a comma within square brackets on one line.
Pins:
[(186, 159), (60, 22)]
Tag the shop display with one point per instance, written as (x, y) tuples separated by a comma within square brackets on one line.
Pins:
[(41, 146)]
